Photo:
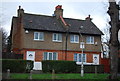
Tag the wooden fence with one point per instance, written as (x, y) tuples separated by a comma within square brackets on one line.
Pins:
[(106, 63)]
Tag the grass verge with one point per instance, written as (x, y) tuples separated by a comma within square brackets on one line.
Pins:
[(58, 76)]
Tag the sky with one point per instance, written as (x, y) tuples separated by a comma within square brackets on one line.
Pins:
[(77, 9)]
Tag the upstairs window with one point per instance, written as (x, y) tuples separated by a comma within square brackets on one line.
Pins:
[(90, 40), (57, 37), (39, 36), (74, 38), (78, 57), (82, 45)]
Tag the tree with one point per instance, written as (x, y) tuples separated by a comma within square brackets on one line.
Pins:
[(114, 43), (105, 41), (4, 38)]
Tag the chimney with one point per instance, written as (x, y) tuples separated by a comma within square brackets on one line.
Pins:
[(20, 11), (88, 18), (58, 11)]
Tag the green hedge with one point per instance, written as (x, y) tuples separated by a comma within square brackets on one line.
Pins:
[(118, 65), (59, 66), (91, 68), (17, 65), (69, 67)]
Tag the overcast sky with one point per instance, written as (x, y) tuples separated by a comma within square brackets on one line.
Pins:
[(72, 9)]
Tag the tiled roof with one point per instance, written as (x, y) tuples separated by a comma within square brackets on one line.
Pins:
[(50, 23)]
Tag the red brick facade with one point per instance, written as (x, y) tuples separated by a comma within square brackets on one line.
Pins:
[(61, 54)]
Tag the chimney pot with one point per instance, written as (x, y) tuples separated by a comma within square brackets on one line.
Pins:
[(88, 18), (19, 7), (20, 11), (58, 11), (58, 7)]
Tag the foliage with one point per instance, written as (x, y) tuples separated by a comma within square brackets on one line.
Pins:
[(17, 65), (69, 67), (119, 65), (4, 38), (59, 66), (91, 68)]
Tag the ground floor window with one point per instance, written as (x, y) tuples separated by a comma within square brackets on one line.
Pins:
[(78, 57), (50, 56)]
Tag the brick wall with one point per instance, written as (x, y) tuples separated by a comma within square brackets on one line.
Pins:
[(30, 43), (61, 54)]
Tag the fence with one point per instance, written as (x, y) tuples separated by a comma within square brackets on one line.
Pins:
[(106, 63)]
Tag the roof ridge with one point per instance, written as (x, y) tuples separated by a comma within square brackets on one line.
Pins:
[(73, 19), (37, 14), (52, 16)]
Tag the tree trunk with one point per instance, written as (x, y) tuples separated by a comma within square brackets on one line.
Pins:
[(114, 15)]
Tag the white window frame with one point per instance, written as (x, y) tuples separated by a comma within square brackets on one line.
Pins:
[(57, 37), (74, 36), (52, 55), (90, 40), (82, 45), (81, 57), (39, 36)]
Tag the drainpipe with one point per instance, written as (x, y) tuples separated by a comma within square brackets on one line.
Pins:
[(67, 32)]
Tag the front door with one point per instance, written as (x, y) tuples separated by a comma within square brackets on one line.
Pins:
[(95, 58), (30, 55)]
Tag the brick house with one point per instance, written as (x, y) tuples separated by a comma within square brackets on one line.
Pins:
[(42, 37)]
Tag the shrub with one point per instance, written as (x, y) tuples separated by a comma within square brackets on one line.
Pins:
[(59, 66), (118, 65), (69, 67), (17, 65), (91, 69)]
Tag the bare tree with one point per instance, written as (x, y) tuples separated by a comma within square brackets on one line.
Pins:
[(4, 38), (105, 41)]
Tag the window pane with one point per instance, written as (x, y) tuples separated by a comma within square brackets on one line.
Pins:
[(92, 40), (41, 36), (82, 45), (84, 58), (54, 36), (75, 57), (88, 40), (59, 37), (72, 38), (45, 56), (35, 35), (50, 56), (76, 38), (54, 56), (79, 57)]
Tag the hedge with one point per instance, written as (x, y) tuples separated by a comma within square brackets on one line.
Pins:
[(118, 65), (91, 68), (17, 65), (59, 66), (69, 67)]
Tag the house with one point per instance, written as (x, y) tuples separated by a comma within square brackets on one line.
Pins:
[(42, 37), (105, 50)]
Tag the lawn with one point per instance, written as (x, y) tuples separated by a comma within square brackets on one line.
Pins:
[(59, 76)]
